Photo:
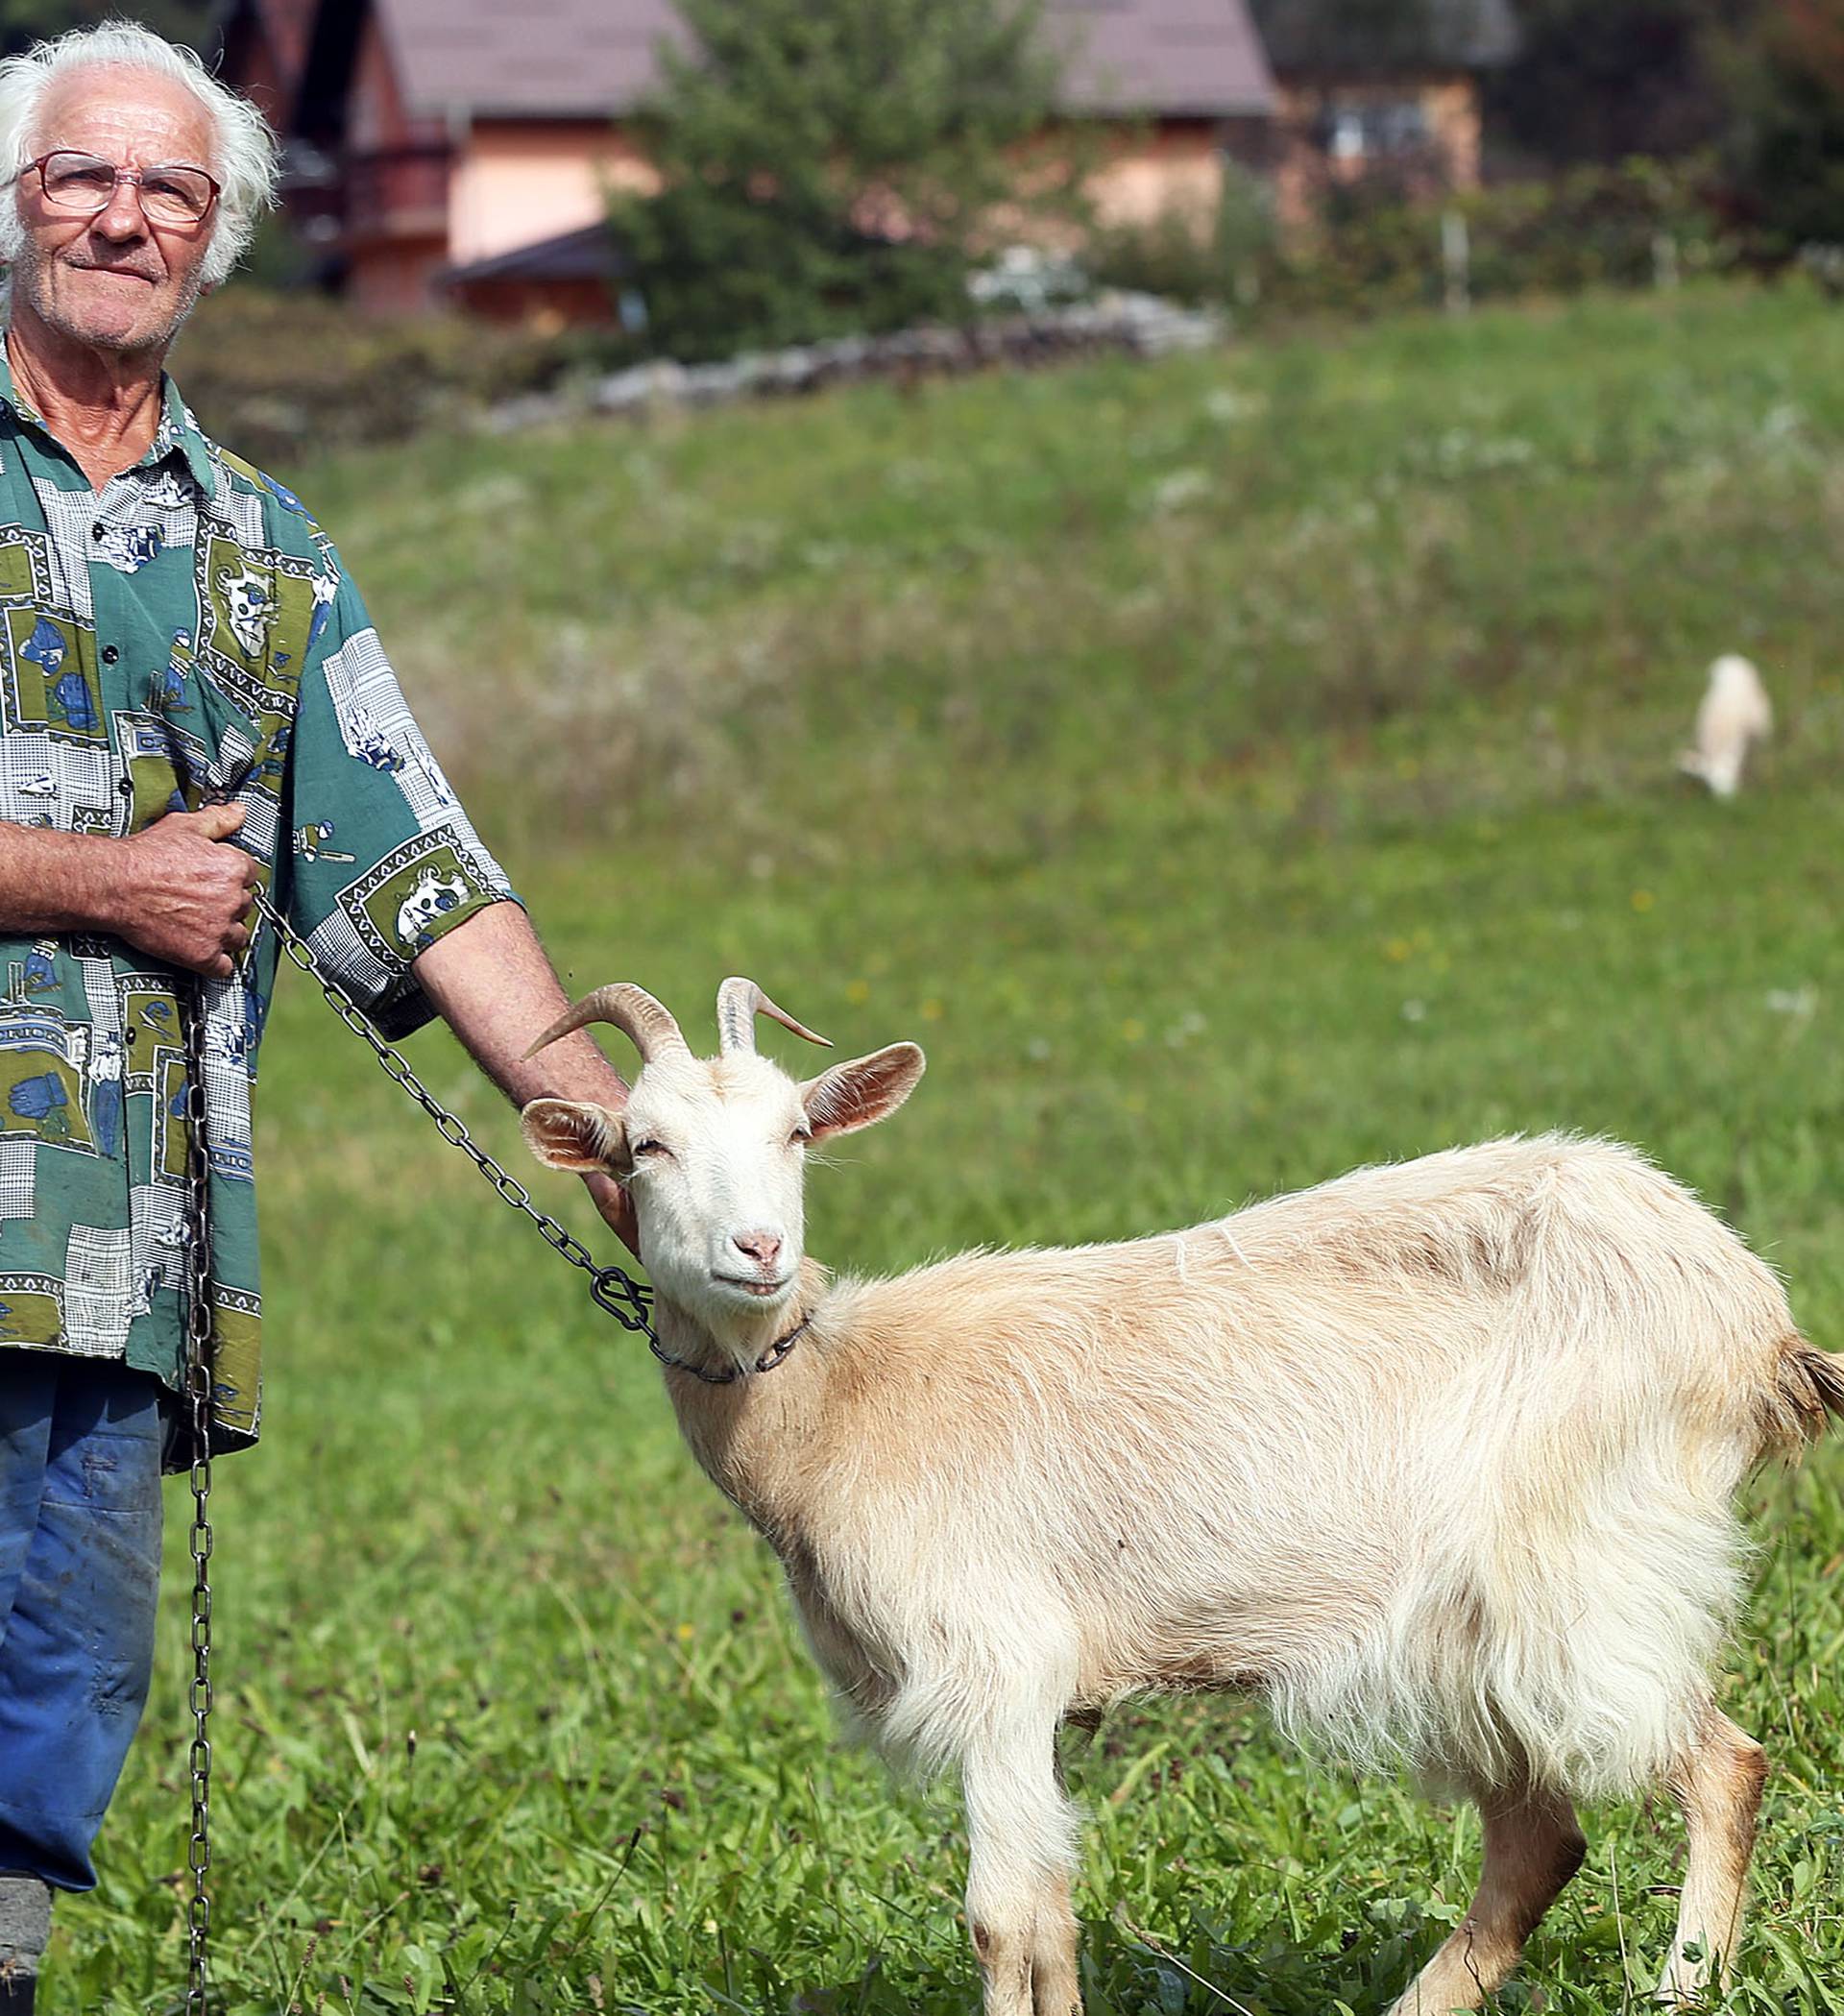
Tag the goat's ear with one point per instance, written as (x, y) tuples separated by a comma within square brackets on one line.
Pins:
[(575, 1133), (866, 1089)]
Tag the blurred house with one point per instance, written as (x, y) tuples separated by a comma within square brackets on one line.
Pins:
[(1378, 93), (462, 148)]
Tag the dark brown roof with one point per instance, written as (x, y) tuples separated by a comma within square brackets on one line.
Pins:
[(1355, 36), (588, 253), (544, 58), (549, 59), (1173, 57)]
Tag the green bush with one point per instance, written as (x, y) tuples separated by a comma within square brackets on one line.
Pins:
[(1374, 252), (1782, 152), (1186, 258), (282, 376), (1595, 227)]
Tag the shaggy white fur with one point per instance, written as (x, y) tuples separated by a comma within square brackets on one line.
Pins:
[(1437, 1458), (1733, 716)]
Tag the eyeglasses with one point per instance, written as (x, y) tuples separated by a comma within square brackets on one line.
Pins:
[(174, 194)]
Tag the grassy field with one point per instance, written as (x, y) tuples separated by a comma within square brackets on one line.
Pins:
[(1232, 770)]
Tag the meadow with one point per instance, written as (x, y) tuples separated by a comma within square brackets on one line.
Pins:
[(1232, 770)]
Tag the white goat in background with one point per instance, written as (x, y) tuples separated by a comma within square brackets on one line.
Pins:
[(1437, 1458), (1733, 716)]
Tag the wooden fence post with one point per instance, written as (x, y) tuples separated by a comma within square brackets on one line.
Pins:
[(1456, 262)]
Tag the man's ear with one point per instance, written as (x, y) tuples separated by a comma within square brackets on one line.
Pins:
[(863, 1090), (575, 1135)]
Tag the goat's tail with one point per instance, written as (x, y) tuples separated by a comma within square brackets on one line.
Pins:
[(1809, 1386)]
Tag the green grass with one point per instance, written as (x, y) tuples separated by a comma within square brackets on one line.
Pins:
[(1232, 770)]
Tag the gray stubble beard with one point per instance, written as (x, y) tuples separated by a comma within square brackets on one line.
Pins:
[(27, 258)]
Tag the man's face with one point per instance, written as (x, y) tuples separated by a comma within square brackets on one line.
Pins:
[(113, 281)]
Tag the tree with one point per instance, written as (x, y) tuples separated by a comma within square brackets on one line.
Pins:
[(23, 22), (830, 166), (1784, 153), (1604, 80)]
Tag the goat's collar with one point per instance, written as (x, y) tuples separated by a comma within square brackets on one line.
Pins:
[(731, 1373)]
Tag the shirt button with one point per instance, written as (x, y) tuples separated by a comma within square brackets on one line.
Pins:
[(126, 787), (96, 531), (110, 654)]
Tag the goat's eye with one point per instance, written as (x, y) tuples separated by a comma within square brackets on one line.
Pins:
[(801, 1135), (649, 1147)]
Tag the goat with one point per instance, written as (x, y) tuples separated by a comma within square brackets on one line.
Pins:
[(1437, 1457), (1733, 715)]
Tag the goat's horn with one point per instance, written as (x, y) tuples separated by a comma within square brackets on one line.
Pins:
[(738, 1003), (633, 1011)]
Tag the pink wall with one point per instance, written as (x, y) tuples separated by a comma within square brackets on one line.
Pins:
[(515, 182), (1171, 170)]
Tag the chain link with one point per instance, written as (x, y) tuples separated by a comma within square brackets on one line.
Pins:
[(198, 1398), (610, 1288)]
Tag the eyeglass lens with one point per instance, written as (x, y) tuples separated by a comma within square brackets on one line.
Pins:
[(84, 181)]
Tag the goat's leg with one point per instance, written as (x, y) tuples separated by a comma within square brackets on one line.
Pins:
[(1055, 1938), (1018, 1874), (1718, 1786), (1532, 1847)]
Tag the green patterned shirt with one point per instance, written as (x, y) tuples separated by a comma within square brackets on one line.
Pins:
[(187, 635)]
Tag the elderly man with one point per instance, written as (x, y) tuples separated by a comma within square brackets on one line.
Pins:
[(193, 706)]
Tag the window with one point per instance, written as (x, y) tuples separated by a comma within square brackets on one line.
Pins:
[(1373, 129)]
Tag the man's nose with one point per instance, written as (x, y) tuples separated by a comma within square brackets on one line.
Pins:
[(121, 218), (760, 1249)]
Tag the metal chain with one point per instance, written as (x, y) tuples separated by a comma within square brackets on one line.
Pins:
[(729, 1374), (611, 1288), (197, 1395)]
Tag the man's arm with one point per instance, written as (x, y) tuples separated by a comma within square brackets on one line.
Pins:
[(178, 890), (490, 981)]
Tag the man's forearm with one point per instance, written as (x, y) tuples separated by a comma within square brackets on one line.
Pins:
[(491, 983), (177, 891), (53, 883)]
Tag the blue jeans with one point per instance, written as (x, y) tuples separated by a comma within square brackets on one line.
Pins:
[(80, 1568)]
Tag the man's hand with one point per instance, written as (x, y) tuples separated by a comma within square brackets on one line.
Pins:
[(184, 892)]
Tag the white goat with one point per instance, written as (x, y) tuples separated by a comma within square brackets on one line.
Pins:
[(1437, 1458), (1733, 715)]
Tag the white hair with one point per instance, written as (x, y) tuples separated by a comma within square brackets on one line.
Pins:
[(243, 149)]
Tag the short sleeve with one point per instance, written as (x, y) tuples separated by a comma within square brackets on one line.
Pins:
[(381, 860)]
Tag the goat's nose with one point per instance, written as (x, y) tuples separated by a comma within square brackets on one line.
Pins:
[(762, 1248)]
